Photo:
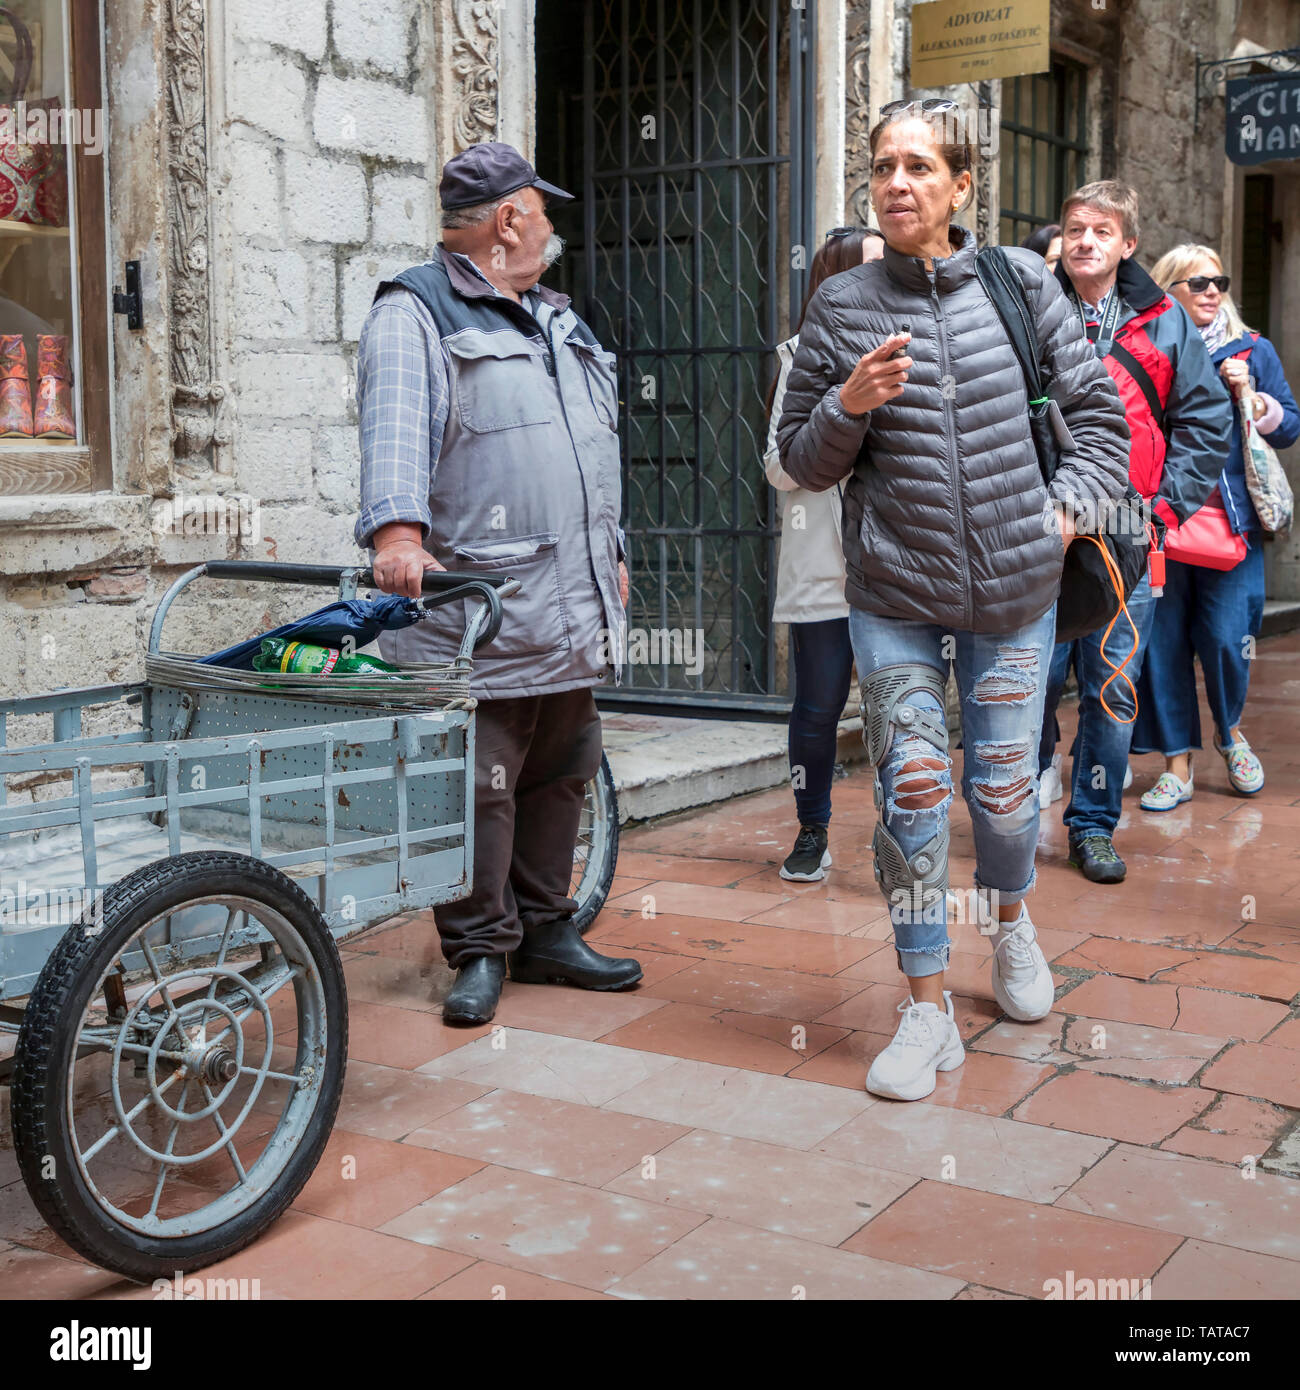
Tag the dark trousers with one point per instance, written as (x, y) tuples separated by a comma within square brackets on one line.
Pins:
[(1211, 614), (1101, 747), (823, 668), (1058, 673), (533, 759)]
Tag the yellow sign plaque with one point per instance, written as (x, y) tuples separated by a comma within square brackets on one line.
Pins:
[(969, 40)]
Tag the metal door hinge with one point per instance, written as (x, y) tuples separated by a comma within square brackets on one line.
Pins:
[(130, 303)]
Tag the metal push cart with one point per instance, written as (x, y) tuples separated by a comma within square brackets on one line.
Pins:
[(173, 1019)]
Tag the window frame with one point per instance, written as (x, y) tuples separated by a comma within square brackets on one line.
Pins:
[(1015, 222), (86, 466)]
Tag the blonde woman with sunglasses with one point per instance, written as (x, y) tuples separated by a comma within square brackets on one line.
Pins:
[(1203, 612)]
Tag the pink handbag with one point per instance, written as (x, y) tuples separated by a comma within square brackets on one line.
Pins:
[(1206, 539)]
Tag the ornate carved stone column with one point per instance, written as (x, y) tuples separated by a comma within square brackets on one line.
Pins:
[(199, 402), (857, 114), (875, 39), (470, 47), (987, 190)]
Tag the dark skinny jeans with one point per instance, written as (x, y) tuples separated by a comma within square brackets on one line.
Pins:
[(823, 667)]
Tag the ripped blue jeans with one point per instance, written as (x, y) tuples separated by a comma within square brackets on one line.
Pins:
[(1001, 678)]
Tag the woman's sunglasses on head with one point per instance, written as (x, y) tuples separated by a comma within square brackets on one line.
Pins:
[(927, 105), (1198, 284), (847, 231)]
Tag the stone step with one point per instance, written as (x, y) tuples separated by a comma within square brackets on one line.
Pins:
[(663, 764), (1280, 615)]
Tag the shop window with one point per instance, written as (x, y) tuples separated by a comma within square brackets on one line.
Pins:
[(1044, 147), (53, 291)]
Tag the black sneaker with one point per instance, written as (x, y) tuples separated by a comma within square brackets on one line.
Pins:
[(810, 858), (1095, 857)]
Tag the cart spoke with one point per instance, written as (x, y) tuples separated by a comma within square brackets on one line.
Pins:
[(231, 914), (226, 1134), (153, 967), (272, 1075), (163, 1168), (97, 1039), (136, 1109), (280, 977)]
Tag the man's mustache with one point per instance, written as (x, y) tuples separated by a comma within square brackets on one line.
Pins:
[(553, 249)]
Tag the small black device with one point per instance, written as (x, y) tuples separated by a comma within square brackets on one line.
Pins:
[(901, 351)]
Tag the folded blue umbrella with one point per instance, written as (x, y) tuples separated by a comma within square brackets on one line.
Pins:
[(361, 619)]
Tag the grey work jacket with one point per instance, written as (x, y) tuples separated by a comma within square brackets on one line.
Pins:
[(525, 484)]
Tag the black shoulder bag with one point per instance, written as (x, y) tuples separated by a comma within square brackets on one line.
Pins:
[(1089, 597)]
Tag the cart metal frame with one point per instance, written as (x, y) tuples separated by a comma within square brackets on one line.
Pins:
[(282, 767)]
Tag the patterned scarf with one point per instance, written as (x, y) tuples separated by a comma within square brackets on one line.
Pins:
[(1215, 333)]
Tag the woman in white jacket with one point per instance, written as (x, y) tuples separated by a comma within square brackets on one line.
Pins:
[(810, 595)]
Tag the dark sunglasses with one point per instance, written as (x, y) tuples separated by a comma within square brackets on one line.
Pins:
[(1198, 284), (927, 105)]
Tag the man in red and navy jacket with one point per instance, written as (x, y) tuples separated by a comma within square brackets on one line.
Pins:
[(1180, 425)]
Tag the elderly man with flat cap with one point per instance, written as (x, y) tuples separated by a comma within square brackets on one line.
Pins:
[(489, 445)]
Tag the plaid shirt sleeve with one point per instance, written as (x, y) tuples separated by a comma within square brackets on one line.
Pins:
[(402, 409)]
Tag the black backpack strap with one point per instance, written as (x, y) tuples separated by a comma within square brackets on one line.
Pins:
[(1139, 373), (1004, 288), (1006, 292)]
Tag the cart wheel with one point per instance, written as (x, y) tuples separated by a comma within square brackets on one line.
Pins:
[(596, 853), (167, 1105)]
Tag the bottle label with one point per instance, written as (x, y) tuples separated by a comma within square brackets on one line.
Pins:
[(304, 659)]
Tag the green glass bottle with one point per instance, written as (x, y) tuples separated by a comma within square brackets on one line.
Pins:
[(301, 658)]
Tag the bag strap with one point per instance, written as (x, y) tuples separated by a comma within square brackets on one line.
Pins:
[(1142, 377), (1004, 289)]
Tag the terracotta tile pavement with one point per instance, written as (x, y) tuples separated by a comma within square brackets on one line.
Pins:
[(707, 1135)]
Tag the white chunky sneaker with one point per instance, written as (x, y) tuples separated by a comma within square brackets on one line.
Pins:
[(1049, 784), (1022, 982), (1244, 769), (927, 1041), (1168, 792)]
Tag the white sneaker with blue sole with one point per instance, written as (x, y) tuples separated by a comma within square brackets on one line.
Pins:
[(1168, 792)]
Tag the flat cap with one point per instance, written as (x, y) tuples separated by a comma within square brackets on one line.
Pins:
[(486, 172)]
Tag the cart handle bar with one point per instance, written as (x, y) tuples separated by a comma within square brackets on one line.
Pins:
[(440, 586)]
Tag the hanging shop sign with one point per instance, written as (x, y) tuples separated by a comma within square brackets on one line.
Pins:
[(1263, 118), (970, 40)]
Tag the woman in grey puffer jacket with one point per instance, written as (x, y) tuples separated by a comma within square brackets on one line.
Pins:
[(953, 553)]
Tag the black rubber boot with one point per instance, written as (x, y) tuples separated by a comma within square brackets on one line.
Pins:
[(555, 953), (477, 991)]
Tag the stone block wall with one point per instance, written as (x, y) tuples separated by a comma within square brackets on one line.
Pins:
[(324, 183), (1177, 170)]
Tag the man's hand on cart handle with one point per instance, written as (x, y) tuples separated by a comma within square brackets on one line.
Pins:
[(401, 559)]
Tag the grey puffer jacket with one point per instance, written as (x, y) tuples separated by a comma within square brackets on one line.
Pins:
[(944, 514)]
